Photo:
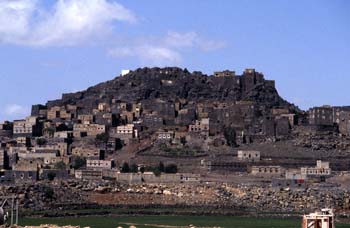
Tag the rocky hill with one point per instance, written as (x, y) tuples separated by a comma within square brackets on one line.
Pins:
[(170, 84)]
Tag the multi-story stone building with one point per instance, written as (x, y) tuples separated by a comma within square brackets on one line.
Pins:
[(200, 126), (127, 131), (28, 127), (88, 129), (321, 116)]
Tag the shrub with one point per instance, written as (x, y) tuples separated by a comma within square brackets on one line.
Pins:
[(171, 168), (51, 176), (125, 168)]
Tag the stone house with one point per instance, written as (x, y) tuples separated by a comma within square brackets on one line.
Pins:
[(344, 123), (225, 73), (337, 110), (86, 118), (63, 134), (89, 129), (60, 174), (58, 112), (88, 152), (28, 127), (165, 136), (321, 169), (266, 170), (61, 147), (248, 155), (87, 174), (200, 126), (96, 164), (125, 132), (28, 164), (51, 161), (152, 121), (321, 116), (19, 176)]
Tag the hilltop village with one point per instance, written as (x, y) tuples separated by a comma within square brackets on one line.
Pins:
[(217, 139)]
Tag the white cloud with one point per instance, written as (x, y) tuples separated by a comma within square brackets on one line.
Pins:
[(15, 110), (15, 17), (166, 50), (68, 22), (149, 55), (191, 40)]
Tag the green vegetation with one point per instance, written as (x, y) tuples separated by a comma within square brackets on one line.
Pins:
[(230, 136), (51, 176), (48, 192), (41, 141), (185, 151), (79, 162), (171, 168), (134, 168), (155, 221), (161, 168), (125, 168), (60, 165), (103, 137)]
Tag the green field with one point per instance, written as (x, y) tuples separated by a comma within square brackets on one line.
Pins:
[(170, 221)]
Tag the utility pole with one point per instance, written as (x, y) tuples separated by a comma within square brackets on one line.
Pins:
[(16, 211), (12, 208)]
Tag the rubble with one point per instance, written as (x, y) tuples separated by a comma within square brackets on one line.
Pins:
[(256, 198)]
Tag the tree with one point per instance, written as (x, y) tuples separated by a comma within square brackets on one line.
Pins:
[(156, 172), (60, 165), (118, 144), (79, 162), (230, 136), (48, 192), (40, 141), (51, 176), (142, 169), (171, 168), (62, 127), (125, 168), (134, 168), (103, 137), (161, 167), (183, 140)]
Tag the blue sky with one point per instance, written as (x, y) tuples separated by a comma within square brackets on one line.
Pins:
[(55, 46)]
